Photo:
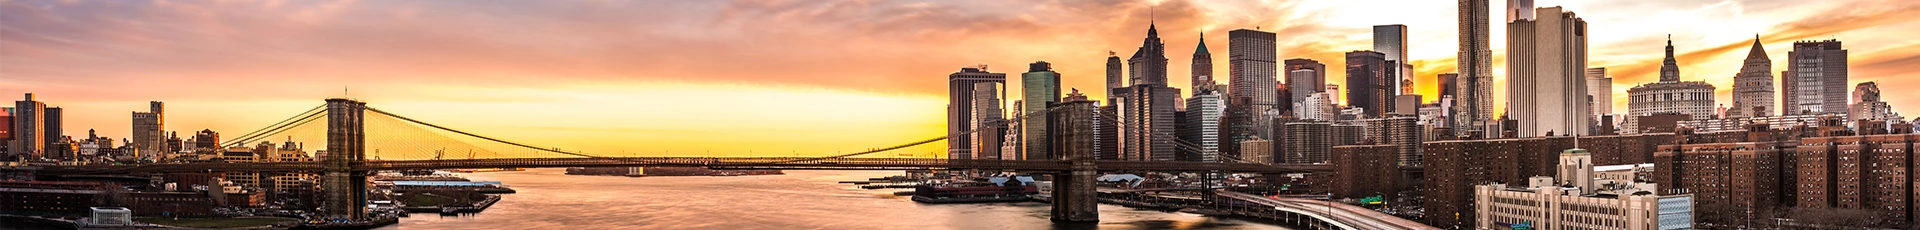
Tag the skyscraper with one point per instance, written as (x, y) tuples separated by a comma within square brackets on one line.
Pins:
[(1040, 87), (1475, 64), (1252, 61), (1391, 40), (1307, 82), (1816, 78), (959, 108), (1600, 89), (1368, 83), (1115, 79), (1149, 123), (1149, 106), (1252, 66), (1148, 66), (1201, 125), (1546, 64), (148, 136), (29, 128), (1202, 67), (1753, 87), (988, 118)]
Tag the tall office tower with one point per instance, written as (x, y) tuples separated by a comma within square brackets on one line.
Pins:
[(148, 136), (1148, 66), (1392, 41), (1600, 88), (1546, 64), (1669, 95), (1201, 125), (1202, 67), (1474, 97), (1149, 121), (1252, 62), (1308, 142), (1115, 80), (1041, 88), (1368, 84), (959, 112), (1148, 108), (988, 118), (1305, 76), (1816, 78), (1753, 87), (29, 129), (1251, 69), (1448, 83)]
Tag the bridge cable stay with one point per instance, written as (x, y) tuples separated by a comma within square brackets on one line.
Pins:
[(278, 125), (553, 150), (390, 138), (1189, 146), (276, 130), (929, 140)]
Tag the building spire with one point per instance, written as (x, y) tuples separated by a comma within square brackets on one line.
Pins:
[(1757, 53), (1669, 70), (1202, 48)]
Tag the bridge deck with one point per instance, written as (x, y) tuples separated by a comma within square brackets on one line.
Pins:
[(711, 162), (1348, 216)]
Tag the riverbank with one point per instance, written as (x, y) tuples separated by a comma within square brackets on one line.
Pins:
[(223, 222)]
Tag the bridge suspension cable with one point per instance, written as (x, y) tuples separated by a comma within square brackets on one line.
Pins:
[(277, 127), (1017, 120), (553, 150)]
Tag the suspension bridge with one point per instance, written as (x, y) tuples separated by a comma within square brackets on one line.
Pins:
[(344, 126)]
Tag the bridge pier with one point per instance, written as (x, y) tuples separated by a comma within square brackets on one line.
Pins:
[(1074, 197), (346, 188)]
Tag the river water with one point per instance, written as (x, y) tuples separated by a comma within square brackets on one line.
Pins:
[(548, 199)]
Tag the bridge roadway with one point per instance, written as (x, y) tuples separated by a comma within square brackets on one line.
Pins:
[(711, 162), (1341, 215)]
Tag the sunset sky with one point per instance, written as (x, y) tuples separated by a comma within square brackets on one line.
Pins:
[(787, 77)]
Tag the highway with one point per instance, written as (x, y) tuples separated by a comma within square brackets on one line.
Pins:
[(1341, 215)]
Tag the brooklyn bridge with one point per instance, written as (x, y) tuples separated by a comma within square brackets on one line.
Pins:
[(344, 165)]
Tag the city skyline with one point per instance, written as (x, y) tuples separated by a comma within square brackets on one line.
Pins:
[(210, 69)]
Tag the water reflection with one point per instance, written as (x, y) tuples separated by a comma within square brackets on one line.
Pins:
[(548, 199)]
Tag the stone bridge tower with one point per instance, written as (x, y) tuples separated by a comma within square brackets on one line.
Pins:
[(346, 188)]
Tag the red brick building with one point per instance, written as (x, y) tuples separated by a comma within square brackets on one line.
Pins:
[(1364, 170)]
